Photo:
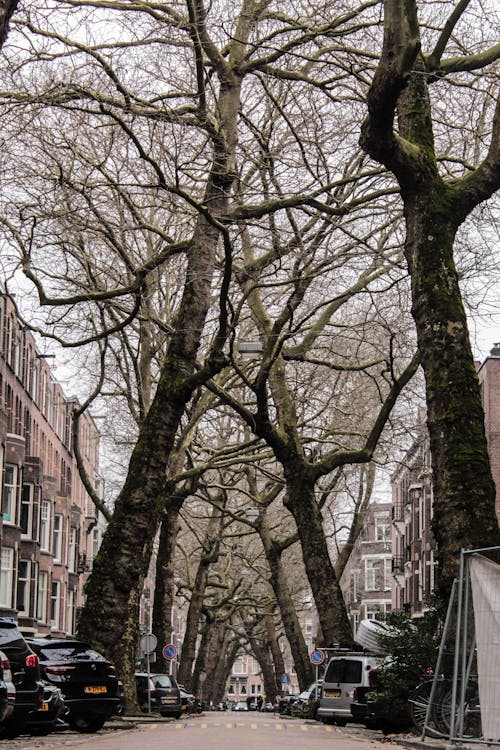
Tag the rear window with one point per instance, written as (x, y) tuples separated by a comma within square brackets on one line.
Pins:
[(344, 670), (11, 637), (162, 681), (68, 653)]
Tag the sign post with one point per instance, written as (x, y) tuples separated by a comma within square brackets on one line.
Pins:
[(148, 644), (317, 657)]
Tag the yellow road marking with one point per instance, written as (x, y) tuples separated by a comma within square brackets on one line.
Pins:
[(253, 726), (327, 728), (279, 726), (303, 728), (229, 726), (204, 726)]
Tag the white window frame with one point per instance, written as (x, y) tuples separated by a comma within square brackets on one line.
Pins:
[(45, 517), (387, 574), (371, 573), (27, 499), (72, 549), (24, 578), (71, 612), (57, 537), (55, 604), (383, 525), (9, 494), (41, 596), (7, 563)]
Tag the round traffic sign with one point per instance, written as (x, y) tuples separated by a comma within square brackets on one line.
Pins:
[(317, 657), (148, 643), (169, 651)]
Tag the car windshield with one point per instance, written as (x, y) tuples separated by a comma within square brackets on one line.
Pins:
[(69, 652)]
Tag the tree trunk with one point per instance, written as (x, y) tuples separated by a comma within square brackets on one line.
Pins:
[(164, 580), (464, 491), (279, 665), (289, 617), (301, 502)]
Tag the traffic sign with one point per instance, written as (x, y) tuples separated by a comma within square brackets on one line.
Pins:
[(285, 679), (317, 657), (148, 643), (169, 651)]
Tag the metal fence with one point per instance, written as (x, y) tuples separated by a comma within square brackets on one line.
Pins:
[(462, 701)]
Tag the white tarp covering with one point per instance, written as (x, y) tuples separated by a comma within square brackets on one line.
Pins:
[(485, 584), (367, 636)]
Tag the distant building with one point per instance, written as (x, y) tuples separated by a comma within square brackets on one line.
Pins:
[(50, 530), (366, 581)]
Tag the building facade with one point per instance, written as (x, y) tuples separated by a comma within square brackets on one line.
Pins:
[(366, 581), (50, 529)]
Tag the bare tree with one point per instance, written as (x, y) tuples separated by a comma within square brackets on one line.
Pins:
[(442, 179)]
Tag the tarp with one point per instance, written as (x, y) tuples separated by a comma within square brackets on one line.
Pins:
[(367, 635), (485, 585)]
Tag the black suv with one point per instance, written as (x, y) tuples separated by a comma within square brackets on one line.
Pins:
[(86, 679), (164, 694), (25, 668)]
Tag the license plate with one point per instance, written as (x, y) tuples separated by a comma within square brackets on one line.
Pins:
[(95, 689), (332, 693), (168, 700), (43, 707)]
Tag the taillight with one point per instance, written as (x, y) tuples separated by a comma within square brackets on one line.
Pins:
[(5, 663), (32, 660), (57, 674)]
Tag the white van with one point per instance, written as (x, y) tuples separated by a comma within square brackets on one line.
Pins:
[(342, 675)]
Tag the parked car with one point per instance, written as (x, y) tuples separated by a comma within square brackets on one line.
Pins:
[(343, 674), (268, 707), (307, 703), (285, 703), (239, 706), (373, 713), (49, 714), (86, 679), (164, 694), (7, 689), (189, 703), (25, 669)]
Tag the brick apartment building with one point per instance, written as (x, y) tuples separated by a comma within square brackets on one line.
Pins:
[(366, 581), (49, 528), (413, 543)]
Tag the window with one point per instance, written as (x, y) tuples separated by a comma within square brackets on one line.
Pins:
[(6, 576), (96, 541), (57, 535), (41, 598), (72, 550), (71, 616), (382, 527), (55, 603), (240, 666), (9, 494), (26, 520), (231, 689), (387, 574), (45, 525), (371, 574), (24, 587)]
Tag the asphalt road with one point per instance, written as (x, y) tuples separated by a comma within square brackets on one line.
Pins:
[(213, 731)]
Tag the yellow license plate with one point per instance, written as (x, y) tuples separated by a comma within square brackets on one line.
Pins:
[(332, 693), (43, 707), (168, 700), (95, 689)]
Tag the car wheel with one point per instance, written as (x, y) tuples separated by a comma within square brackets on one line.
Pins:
[(41, 731), (87, 724), (10, 731), (341, 722)]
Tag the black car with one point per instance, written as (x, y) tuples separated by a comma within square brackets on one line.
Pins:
[(367, 708), (25, 669), (160, 693), (285, 703), (86, 679), (49, 715)]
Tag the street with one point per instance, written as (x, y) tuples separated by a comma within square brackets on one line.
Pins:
[(213, 731)]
